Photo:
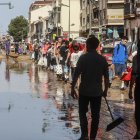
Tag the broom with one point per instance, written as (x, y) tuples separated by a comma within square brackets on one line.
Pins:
[(116, 122)]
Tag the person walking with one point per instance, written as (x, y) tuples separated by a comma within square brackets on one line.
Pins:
[(7, 48), (92, 67), (119, 59), (135, 78)]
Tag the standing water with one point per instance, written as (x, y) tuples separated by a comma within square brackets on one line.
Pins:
[(33, 106)]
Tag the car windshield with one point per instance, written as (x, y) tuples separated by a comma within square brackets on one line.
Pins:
[(107, 50)]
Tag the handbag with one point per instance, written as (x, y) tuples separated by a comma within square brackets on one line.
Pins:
[(127, 76), (59, 69)]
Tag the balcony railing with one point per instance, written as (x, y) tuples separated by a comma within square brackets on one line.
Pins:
[(95, 20), (115, 1), (129, 11)]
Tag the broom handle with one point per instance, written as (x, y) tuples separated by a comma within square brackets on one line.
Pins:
[(109, 109)]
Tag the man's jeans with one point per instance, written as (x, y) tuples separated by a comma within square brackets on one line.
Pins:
[(95, 105)]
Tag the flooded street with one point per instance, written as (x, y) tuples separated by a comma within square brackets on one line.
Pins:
[(35, 106)]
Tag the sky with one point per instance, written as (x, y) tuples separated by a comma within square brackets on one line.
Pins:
[(21, 7)]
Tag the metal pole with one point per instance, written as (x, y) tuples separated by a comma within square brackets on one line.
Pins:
[(90, 17), (9, 4), (69, 19), (57, 19)]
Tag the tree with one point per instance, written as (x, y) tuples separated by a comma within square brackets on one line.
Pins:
[(18, 28)]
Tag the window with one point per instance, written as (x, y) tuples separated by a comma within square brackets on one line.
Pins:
[(83, 21), (107, 50), (88, 18), (95, 14), (83, 5), (59, 21)]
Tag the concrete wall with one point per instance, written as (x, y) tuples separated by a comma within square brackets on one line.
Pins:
[(41, 12)]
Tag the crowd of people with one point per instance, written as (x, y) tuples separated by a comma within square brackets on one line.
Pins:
[(58, 55)]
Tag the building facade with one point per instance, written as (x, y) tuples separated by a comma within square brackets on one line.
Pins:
[(89, 17), (102, 17), (66, 15), (112, 18), (132, 19), (38, 19)]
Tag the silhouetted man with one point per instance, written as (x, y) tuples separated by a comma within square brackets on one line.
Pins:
[(92, 67)]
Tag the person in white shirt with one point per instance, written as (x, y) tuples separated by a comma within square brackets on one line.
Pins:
[(74, 58)]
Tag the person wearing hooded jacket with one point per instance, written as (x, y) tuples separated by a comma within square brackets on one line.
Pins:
[(119, 59)]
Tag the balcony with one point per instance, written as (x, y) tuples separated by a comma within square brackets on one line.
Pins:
[(115, 1), (129, 11), (95, 20)]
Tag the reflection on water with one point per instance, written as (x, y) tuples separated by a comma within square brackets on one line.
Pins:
[(0, 61), (7, 73), (67, 107), (39, 82)]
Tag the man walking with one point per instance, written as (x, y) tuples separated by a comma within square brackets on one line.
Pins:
[(7, 47), (120, 57), (92, 67)]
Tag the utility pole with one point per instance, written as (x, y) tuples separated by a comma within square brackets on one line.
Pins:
[(69, 18), (57, 19), (9, 4), (90, 17)]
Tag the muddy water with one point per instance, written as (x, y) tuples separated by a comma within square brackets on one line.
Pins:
[(35, 106)]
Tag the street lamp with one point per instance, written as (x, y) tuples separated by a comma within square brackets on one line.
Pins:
[(69, 15), (9, 4)]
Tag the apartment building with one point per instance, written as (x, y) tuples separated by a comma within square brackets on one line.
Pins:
[(112, 17), (38, 19), (66, 18), (132, 19), (89, 17), (102, 17)]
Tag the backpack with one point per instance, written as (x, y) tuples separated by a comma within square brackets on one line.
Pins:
[(118, 48)]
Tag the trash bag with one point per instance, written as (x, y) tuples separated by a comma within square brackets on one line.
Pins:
[(43, 62), (59, 70)]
